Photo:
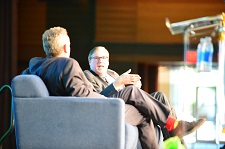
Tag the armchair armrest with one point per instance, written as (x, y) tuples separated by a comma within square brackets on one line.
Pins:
[(69, 122)]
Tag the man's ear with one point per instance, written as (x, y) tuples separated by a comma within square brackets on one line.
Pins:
[(65, 49)]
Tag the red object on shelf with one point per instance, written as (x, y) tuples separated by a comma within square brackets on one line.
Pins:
[(191, 57)]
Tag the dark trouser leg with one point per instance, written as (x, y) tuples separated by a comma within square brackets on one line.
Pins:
[(148, 106), (146, 131), (133, 116), (147, 135), (162, 98)]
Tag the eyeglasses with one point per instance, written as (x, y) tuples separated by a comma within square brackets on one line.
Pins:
[(98, 58)]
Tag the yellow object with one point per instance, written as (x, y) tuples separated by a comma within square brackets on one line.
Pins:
[(223, 130), (173, 143), (222, 33), (223, 16), (176, 124)]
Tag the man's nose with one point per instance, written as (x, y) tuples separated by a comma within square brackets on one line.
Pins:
[(100, 60)]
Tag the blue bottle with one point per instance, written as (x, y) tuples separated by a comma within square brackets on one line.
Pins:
[(200, 55), (205, 54), (209, 54)]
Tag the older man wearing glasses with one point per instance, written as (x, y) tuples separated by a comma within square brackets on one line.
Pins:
[(155, 108)]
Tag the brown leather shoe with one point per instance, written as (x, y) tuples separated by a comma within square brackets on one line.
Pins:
[(185, 128)]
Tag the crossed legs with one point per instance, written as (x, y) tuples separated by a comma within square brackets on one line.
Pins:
[(145, 107), (157, 112)]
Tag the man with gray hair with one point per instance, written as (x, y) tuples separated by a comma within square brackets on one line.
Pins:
[(108, 83)]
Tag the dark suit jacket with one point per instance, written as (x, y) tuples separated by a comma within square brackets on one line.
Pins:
[(62, 76), (99, 84), (132, 115)]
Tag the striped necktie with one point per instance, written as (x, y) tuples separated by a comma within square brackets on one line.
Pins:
[(105, 79)]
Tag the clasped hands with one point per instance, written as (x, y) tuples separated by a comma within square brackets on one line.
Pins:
[(126, 79)]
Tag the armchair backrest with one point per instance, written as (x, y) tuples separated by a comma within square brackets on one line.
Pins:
[(29, 86), (55, 122)]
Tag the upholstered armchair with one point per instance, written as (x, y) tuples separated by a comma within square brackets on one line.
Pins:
[(54, 122)]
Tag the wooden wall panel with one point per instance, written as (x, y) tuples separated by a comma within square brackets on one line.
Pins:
[(116, 20), (31, 25), (151, 18), (143, 21)]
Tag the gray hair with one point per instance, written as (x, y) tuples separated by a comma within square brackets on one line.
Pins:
[(93, 51), (53, 40)]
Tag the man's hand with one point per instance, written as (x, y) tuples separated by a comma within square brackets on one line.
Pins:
[(126, 78), (138, 84)]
